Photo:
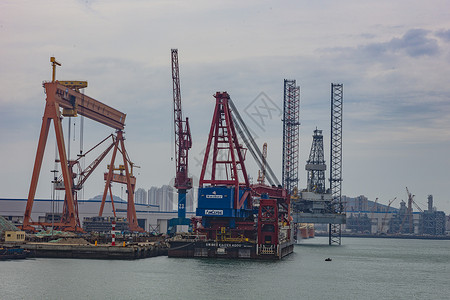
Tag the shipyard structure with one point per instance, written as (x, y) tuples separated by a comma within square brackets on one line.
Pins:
[(372, 218), (235, 219)]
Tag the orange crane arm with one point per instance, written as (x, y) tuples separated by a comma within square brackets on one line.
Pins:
[(85, 105)]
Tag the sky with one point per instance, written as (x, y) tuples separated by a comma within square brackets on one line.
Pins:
[(393, 58)]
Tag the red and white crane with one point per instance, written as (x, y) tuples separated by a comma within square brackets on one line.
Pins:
[(183, 140)]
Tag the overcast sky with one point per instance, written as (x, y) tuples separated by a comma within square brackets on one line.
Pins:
[(393, 58)]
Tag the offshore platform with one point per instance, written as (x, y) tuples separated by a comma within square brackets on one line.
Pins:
[(315, 204)]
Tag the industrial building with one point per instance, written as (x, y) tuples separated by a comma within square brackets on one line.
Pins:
[(369, 217), (149, 217)]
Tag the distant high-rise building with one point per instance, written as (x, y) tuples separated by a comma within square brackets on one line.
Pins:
[(190, 200), (140, 196), (152, 197), (163, 197), (359, 203), (168, 194)]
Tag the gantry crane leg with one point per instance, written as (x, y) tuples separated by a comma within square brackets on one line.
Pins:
[(131, 210), (129, 180), (109, 177), (51, 113)]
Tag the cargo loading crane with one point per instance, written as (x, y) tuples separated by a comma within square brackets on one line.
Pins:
[(183, 142), (65, 96), (234, 218), (408, 216), (383, 223), (224, 199), (410, 210), (275, 235)]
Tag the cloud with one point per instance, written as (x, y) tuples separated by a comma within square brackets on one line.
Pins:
[(444, 34), (415, 43), (392, 61)]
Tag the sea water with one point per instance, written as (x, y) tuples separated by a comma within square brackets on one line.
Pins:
[(361, 268)]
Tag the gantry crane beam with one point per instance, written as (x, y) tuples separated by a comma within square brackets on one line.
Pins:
[(95, 110)]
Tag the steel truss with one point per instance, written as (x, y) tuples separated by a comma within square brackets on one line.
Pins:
[(291, 113), (316, 165), (337, 92)]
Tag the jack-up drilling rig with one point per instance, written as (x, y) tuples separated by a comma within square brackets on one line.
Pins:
[(65, 96), (315, 204), (183, 142)]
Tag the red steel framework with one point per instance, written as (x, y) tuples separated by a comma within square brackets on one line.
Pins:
[(70, 100), (183, 140), (227, 152), (128, 179), (274, 209), (228, 155)]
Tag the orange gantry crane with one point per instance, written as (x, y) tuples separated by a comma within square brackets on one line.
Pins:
[(64, 99)]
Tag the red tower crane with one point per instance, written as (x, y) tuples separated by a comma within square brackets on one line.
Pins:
[(183, 142)]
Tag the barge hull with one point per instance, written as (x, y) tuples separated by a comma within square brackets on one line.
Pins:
[(239, 250), (93, 252)]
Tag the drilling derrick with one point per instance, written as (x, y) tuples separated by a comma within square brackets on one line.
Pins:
[(315, 166), (183, 143), (315, 198), (291, 123), (337, 99)]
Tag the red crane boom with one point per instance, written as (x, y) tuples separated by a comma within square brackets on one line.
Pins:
[(183, 140)]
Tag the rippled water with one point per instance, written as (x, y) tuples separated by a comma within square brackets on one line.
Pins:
[(360, 269)]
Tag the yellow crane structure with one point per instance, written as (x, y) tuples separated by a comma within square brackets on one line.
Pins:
[(383, 223)]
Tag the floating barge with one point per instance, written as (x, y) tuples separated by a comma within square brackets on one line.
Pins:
[(50, 250), (194, 246), (213, 249), (13, 253)]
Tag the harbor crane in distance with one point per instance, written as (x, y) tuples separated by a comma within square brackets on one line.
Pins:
[(65, 95), (410, 210), (183, 142), (383, 222), (409, 214)]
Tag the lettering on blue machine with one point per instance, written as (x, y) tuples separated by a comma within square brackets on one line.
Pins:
[(213, 212)]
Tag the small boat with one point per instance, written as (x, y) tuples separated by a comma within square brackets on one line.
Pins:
[(13, 253)]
